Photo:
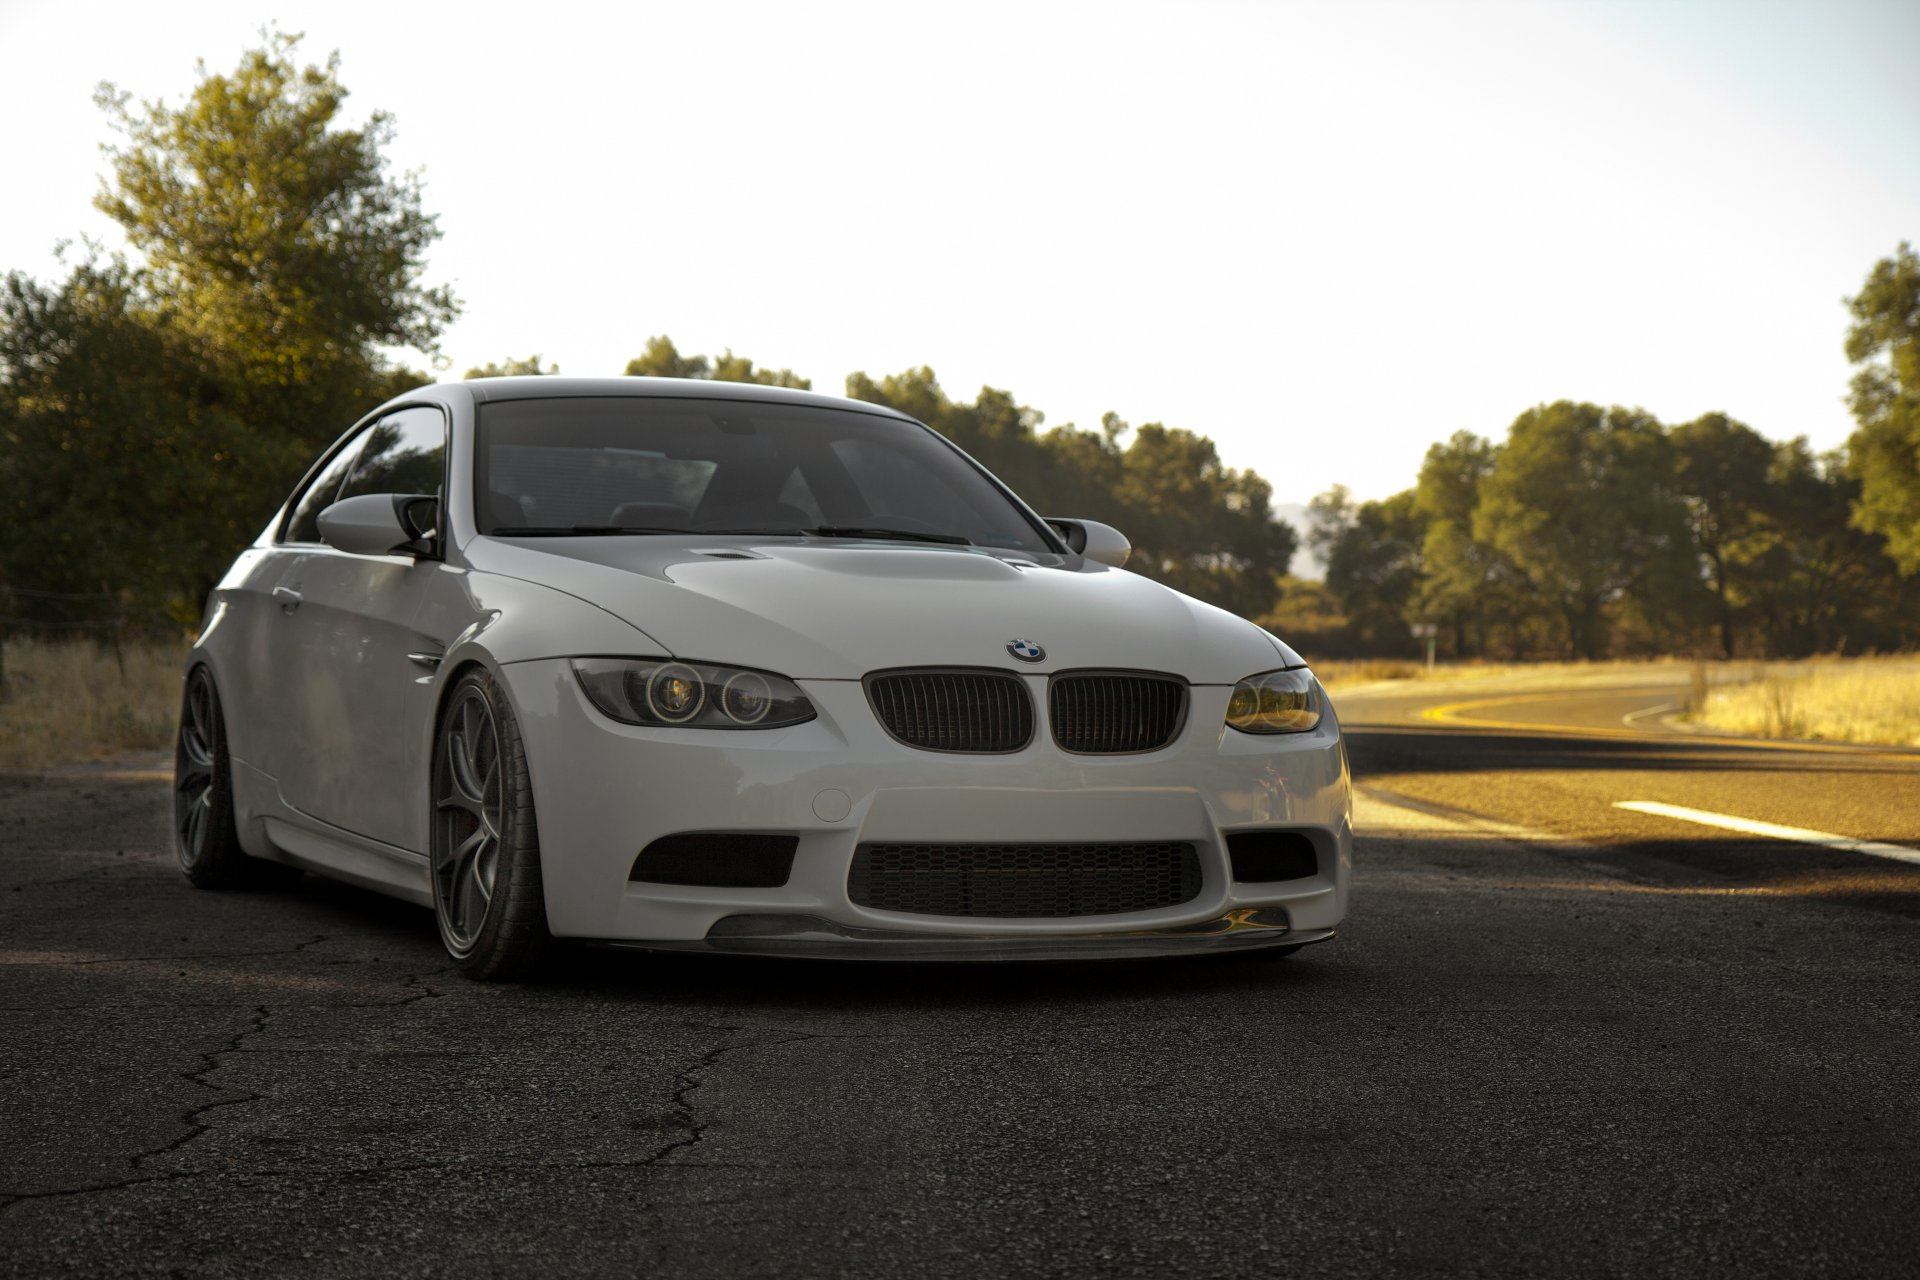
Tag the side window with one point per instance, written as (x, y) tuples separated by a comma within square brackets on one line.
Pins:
[(304, 525), (405, 453)]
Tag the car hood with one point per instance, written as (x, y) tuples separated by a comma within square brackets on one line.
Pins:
[(837, 612)]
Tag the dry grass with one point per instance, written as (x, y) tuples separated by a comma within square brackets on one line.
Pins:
[(1835, 699), (1347, 673), (1353, 671), (69, 702)]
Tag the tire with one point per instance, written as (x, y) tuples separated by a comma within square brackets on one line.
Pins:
[(487, 894), (206, 839)]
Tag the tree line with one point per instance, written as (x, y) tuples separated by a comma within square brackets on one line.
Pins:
[(157, 405), (1592, 531)]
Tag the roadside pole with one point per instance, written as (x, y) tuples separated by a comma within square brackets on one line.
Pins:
[(1427, 631)]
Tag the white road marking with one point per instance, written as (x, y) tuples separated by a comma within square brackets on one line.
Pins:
[(1799, 835), (1632, 716)]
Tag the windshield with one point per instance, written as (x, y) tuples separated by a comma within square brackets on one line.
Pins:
[(645, 464)]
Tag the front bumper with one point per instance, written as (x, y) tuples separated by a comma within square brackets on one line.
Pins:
[(604, 790)]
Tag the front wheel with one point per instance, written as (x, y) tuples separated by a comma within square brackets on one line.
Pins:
[(487, 895)]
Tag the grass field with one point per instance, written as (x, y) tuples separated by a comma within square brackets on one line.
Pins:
[(69, 702), (1833, 699)]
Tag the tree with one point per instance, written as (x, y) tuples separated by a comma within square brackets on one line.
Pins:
[(1372, 553), (1722, 470), (1813, 582), (512, 368), (1885, 341), (275, 238), (1198, 525), (1583, 501), (1465, 585), (662, 359), (156, 409), (1195, 524), (111, 466)]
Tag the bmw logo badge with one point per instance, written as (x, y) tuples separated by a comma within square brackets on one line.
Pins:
[(1026, 650)]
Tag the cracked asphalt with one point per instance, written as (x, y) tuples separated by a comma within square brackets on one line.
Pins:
[(1518, 1059)]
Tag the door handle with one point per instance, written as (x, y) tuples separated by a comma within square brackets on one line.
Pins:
[(287, 598)]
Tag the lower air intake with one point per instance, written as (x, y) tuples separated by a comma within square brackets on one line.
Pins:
[(1272, 855), (726, 861), (1023, 881)]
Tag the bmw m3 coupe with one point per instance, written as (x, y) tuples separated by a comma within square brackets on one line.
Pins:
[(704, 666)]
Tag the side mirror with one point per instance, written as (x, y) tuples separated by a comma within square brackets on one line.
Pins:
[(1101, 543), (383, 524)]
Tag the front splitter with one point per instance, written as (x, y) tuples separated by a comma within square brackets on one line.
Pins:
[(813, 937)]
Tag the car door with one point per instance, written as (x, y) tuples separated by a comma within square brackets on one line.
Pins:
[(260, 608), (354, 700)]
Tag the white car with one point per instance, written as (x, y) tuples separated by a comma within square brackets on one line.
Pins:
[(705, 666)]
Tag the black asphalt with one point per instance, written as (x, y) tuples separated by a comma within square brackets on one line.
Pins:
[(1626, 1051)]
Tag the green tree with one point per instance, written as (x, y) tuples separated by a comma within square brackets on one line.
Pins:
[(275, 237), (1372, 551), (1885, 341), (160, 407), (1722, 471), (1584, 502), (1195, 524), (514, 368), (1813, 582), (1466, 587), (662, 359), (109, 460)]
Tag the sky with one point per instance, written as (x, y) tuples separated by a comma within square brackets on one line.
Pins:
[(1325, 235)]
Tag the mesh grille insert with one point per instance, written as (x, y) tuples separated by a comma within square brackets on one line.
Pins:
[(1115, 712), (954, 710), (1024, 880)]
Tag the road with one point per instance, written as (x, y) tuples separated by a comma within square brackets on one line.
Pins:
[(1556, 1038)]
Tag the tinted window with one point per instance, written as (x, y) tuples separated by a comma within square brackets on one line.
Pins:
[(712, 465), (404, 453), (304, 526)]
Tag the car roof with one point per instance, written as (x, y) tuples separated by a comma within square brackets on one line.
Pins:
[(554, 387)]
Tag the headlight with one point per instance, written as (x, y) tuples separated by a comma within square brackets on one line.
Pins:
[(692, 695), (1275, 702)]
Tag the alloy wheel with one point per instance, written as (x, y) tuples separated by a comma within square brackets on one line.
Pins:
[(194, 765), (467, 819)]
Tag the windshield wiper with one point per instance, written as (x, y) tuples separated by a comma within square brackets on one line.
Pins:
[(874, 531)]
